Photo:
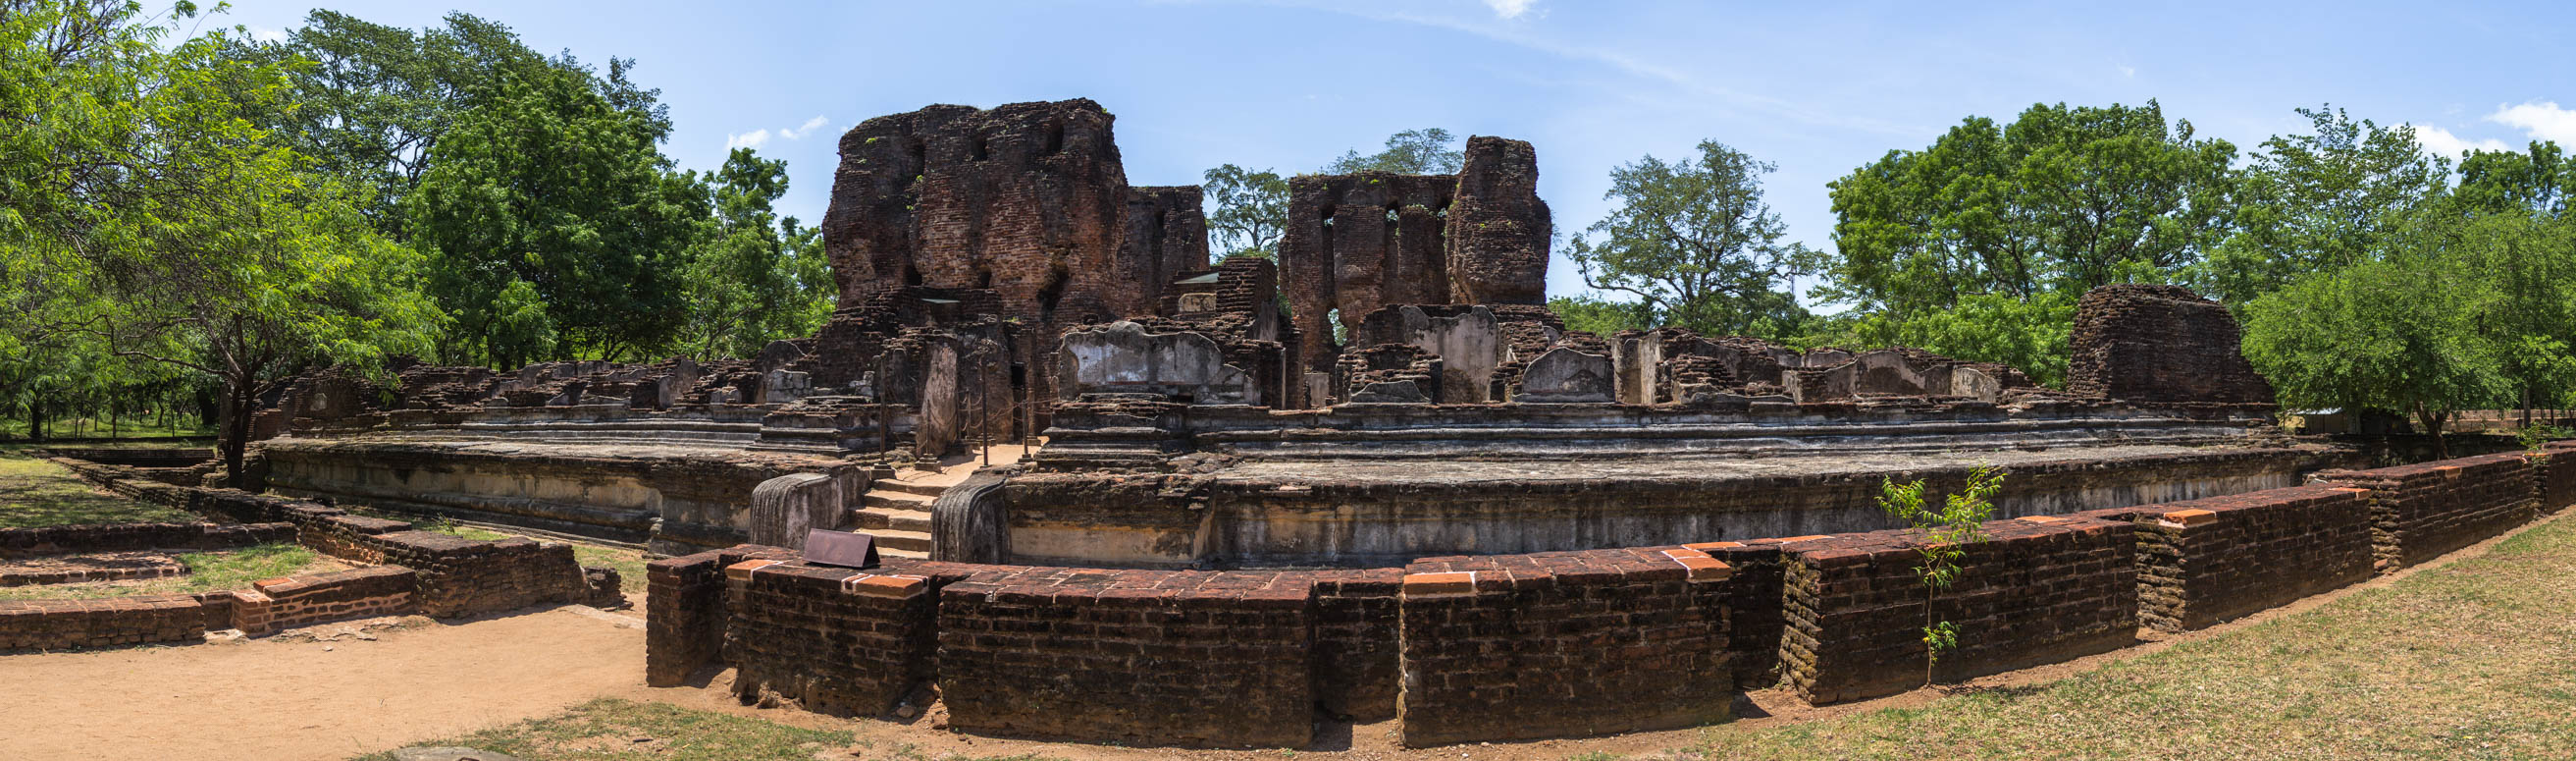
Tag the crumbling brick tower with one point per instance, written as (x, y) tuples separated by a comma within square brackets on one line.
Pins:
[(2159, 343), (1027, 200), (1357, 242)]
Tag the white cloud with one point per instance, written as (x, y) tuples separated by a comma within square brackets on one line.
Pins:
[(1510, 8), (2129, 71), (807, 128), (2440, 142), (265, 34), (753, 140), (2540, 119)]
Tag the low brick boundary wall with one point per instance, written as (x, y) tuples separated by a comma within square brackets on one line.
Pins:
[(2419, 512), (1149, 657), (383, 590), (1506, 647), (458, 577), (2209, 560), (1563, 643), (2037, 590), (271, 604), (833, 639), (127, 537), (68, 624)]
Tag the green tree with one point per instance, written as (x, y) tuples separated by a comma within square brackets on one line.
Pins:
[(369, 101), (1694, 243), (185, 235), (555, 184), (2317, 202), (2525, 268), (1977, 246), (1413, 151), (1251, 210), (2534, 181), (2397, 333), (755, 278), (1959, 520)]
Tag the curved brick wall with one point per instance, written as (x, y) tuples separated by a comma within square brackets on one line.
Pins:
[(1498, 647)]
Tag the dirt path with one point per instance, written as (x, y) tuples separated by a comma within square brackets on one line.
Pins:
[(291, 697)]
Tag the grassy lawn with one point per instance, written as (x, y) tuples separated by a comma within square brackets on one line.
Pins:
[(207, 572), (629, 564), (614, 730), (34, 492)]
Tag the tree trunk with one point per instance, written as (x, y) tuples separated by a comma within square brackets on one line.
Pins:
[(236, 435), (35, 419), (2433, 424)]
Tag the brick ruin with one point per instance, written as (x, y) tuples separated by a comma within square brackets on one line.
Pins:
[(1376, 478)]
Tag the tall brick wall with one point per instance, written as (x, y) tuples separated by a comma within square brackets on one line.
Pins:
[(2037, 590), (1563, 643), (1498, 228), (2159, 343), (2421, 511), (2209, 560)]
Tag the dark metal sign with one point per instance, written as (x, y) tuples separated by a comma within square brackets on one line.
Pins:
[(840, 548)]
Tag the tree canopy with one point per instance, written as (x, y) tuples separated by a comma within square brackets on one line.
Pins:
[(1694, 243)]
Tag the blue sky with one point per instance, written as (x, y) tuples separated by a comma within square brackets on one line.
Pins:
[(1290, 85)]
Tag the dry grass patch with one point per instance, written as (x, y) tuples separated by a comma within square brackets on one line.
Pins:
[(2473, 660)]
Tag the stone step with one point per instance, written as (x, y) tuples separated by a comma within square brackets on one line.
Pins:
[(890, 552), (893, 539), (868, 519), (896, 501), (906, 487)]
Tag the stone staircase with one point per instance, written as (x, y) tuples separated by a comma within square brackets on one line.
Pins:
[(897, 513)]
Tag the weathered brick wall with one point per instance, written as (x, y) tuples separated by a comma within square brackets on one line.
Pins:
[(832, 639), (1356, 656), (1147, 657), (2036, 590), (2421, 511), (1563, 643), (2556, 467), (383, 590), (1754, 612), (458, 577), (66, 624), (2159, 343), (1498, 228), (685, 615), (126, 537), (2205, 561)]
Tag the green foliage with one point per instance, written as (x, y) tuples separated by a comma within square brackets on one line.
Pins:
[(1413, 151), (1978, 246), (754, 278), (2397, 333), (554, 183), (2534, 181), (1958, 521), (1599, 316), (2028, 334), (1251, 211), (1693, 242), (178, 235), (2313, 203), (2537, 435), (2062, 199)]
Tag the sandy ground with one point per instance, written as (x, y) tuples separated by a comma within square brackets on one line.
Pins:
[(326, 692)]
